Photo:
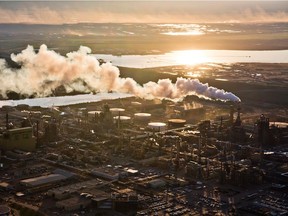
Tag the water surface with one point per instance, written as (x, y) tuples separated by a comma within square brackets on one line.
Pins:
[(64, 100), (193, 57)]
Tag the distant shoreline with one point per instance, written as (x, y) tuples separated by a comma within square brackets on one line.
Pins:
[(143, 39)]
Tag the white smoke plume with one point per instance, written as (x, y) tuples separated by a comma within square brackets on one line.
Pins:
[(42, 72)]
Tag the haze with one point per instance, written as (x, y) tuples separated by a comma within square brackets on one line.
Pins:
[(59, 12)]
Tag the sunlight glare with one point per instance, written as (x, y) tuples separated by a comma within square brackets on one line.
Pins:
[(193, 74), (191, 57)]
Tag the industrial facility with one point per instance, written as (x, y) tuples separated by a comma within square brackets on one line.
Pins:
[(138, 157)]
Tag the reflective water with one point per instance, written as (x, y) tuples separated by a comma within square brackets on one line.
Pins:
[(192, 57), (64, 100)]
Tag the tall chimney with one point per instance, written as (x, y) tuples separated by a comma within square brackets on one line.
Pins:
[(231, 114), (7, 120)]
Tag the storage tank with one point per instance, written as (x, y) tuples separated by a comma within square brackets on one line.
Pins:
[(176, 123), (136, 103), (4, 210), (122, 118), (93, 114), (142, 117), (7, 108), (157, 126), (25, 113), (22, 107), (116, 111), (46, 117), (82, 112)]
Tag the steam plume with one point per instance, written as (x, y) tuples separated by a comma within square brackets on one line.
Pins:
[(41, 73)]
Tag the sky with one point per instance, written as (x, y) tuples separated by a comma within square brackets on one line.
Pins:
[(136, 11)]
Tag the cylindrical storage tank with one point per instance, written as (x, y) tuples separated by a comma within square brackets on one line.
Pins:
[(142, 117), (7, 108), (36, 114), (176, 123), (22, 107), (123, 120), (92, 115), (4, 210), (116, 111), (137, 106), (157, 126), (46, 117), (25, 113), (136, 103), (82, 112)]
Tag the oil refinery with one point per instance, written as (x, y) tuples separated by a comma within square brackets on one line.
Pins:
[(132, 156)]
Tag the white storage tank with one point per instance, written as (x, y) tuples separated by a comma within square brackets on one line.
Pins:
[(136, 103), (157, 126), (142, 117), (93, 114), (116, 111), (123, 119)]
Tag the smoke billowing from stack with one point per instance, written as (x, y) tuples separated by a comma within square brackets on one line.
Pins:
[(42, 72)]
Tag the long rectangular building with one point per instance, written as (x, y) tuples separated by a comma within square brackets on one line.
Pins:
[(18, 138), (42, 180)]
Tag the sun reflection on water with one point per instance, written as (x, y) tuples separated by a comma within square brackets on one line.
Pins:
[(186, 33), (191, 57)]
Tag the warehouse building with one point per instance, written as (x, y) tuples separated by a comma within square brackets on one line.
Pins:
[(73, 203), (57, 176), (18, 138)]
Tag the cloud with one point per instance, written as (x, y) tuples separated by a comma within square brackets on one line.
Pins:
[(139, 12)]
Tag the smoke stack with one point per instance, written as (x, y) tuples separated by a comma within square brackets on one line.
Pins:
[(238, 119), (7, 121), (37, 133), (231, 114)]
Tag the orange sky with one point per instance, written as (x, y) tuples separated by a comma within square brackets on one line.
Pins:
[(46, 12)]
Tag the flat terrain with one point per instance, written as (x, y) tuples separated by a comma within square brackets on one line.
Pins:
[(257, 84), (123, 39), (253, 82)]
